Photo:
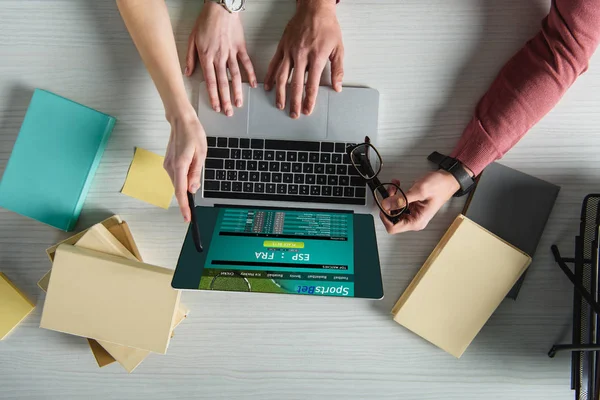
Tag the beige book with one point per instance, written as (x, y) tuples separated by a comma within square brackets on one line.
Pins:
[(460, 285), (120, 230), (103, 357), (114, 299), (116, 226), (130, 357), (108, 223), (98, 238)]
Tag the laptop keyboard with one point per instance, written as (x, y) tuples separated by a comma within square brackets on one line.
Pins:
[(281, 170)]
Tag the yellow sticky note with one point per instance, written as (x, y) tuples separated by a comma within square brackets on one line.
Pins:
[(14, 306), (147, 180)]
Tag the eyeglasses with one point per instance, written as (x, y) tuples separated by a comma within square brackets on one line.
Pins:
[(367, 162)]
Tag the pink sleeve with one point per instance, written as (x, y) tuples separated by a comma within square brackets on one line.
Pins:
[(532, 82)]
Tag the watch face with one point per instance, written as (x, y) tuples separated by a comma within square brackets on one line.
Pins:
[(235, 5)]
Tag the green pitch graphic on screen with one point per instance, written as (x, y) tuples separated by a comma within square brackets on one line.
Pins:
[(276, 251)]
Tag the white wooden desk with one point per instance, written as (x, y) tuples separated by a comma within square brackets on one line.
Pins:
[(431, 61)]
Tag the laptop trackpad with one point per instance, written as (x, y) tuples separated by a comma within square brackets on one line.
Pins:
[(266, 121)]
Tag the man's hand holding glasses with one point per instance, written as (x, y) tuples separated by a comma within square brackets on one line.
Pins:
[(399, 211), (425, 199)]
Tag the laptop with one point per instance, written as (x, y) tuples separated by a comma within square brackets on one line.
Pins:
[(281, 250), (261, 154)]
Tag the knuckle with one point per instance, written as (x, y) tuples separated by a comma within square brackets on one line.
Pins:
[(223, 81), (182, 164), (203, 52), (222, 60), (243, 56), (296, 86), (311, 92), (300, 52), (211, 84), (281, 75)]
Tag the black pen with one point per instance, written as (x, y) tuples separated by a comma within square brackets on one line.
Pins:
[(194, 222)]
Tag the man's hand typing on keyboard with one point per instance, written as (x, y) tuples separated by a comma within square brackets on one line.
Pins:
[(311, 37), (218, 42)]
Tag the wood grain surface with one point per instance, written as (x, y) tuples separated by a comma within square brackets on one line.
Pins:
[(431, 61)]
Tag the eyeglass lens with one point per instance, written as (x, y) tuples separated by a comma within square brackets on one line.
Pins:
[(391, 207), (366, 160)]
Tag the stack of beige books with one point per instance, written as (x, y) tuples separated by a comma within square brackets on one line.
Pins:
[(99, 288), (460, 285)]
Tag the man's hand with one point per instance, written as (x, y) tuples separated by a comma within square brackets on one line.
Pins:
[(425, 198), (218, 40), (311, 37), (185, 157)]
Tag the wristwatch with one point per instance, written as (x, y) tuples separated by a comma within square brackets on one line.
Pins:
[(233, 6), (457, 170)]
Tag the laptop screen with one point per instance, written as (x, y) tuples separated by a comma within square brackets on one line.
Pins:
[(281, 251)]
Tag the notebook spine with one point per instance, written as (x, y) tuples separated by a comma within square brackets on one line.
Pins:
[(92, 171)]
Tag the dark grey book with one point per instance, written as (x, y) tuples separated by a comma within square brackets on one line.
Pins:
[(514, 206)]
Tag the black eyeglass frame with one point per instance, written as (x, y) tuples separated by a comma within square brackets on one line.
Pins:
[(373, 182)]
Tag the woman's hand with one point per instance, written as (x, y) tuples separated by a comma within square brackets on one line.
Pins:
[(185, 157), (311, 37), (425, 198), (218, 41)]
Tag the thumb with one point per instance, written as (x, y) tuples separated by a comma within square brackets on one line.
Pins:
[(394, 199), (337, 68), (190, 58), (194, 174)]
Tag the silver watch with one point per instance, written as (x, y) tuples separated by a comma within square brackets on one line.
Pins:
[(233, 6)]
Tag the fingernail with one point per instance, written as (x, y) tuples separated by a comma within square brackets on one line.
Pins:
[(338, 87), (294, 115), (305, 111), (195, 187), (229, 112), (267, 87), (238, 103), (279, 106), (254, 84), (187, 71), (217, 108)]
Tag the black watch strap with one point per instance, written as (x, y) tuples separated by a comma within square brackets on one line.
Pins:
[(457, 170)]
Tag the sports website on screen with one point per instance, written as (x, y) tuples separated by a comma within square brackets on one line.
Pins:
[(281, 251)]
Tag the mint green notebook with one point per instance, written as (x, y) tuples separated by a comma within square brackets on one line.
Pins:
[(54, 160)]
